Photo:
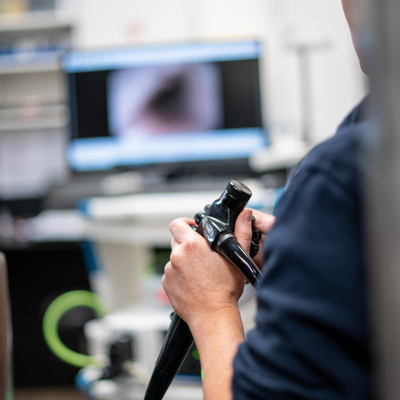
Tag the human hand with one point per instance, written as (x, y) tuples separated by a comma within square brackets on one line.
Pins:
[(199, 281)]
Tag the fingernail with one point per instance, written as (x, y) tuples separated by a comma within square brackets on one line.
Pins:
[(247, 215)]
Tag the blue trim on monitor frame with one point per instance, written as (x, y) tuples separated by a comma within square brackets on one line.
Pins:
[(97, 60), (95, 154)]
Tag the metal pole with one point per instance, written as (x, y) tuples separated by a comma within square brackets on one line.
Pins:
[(383, 191), (306, 97)]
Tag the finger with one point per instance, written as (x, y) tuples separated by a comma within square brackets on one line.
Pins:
[(263, 222), (243, 230), (167, 271), (181, 228), (173, 243)]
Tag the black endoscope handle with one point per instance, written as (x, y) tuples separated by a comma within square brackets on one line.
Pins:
[(231, 249)]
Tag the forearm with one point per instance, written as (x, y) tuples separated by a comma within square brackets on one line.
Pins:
[(217, 340)]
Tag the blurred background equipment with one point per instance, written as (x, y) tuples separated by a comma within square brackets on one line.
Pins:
[(51, 319), (39, 273), (34, 103)]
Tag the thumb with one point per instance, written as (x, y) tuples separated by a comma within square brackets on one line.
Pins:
[(243, 231)]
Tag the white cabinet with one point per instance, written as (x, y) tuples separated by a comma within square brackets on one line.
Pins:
[(33, 115)]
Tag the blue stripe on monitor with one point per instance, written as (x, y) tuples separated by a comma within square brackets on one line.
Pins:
[(96, 60), (107, 152)]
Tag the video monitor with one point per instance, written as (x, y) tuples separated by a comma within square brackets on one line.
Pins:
[(148, 105)]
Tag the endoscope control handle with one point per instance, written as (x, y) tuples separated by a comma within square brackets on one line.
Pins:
[(233, 251)]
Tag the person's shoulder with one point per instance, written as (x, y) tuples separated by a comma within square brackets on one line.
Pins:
[(338, 162), (341, 156), (344, 146), (344, 149)]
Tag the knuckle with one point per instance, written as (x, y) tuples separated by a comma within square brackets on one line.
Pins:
[(172, 225), (174, 258), (167, 269), (190, 244), (168, 274), (164, 281)]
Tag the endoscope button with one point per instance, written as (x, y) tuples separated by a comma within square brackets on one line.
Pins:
[(254, 249), (199, 217), (256, 236)]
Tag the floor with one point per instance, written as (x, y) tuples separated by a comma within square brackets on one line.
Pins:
[(51, 393)]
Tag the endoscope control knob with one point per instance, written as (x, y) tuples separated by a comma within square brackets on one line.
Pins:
[(239, 191), (199, 217), (255, 240)]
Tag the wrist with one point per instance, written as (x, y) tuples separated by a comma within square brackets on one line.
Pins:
[(223, 321), (217, 338)]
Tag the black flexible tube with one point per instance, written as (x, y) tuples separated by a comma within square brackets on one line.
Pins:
[(176, 346)]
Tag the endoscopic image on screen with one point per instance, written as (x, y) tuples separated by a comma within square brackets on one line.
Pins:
[(162, 99)]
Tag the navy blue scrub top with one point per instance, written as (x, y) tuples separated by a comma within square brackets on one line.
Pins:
[(311, 339)]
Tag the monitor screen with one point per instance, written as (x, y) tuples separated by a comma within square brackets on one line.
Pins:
[(161, 104)]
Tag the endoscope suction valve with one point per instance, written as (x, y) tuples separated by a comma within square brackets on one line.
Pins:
[(217, 225)]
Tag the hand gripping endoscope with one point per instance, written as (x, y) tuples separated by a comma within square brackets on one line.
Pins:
[(216, 224)]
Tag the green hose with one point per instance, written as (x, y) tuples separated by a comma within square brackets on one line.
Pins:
[(53, 315)]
